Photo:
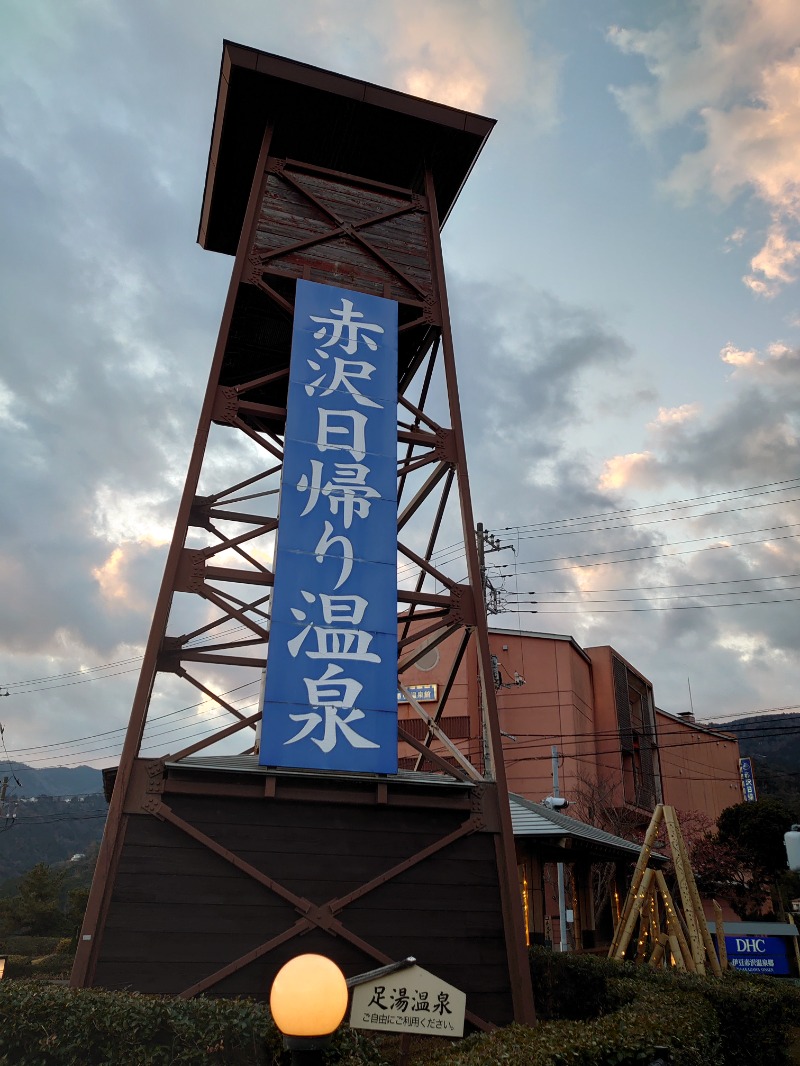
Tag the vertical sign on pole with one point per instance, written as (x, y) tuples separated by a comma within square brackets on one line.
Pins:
[(748, 780), (331, 691)]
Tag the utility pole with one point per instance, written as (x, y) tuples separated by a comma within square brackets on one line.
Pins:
[(562, 902), (488, 543)]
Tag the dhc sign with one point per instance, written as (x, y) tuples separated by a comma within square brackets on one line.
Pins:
[(758, 954), (330, 700)]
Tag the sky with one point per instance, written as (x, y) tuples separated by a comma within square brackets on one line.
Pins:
[(624, 257)]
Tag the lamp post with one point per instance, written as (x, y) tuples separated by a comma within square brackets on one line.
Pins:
[(308, 1001)]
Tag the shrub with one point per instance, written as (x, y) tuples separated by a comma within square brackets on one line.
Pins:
[(630, 1036), (569, 986), (18, 966), (50, 1025), (50, 964), (761, 1007), (29, 945), (573, 987)]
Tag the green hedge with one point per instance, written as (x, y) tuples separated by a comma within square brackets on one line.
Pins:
[(50, 1025), (47, 1025), (575, 987), (630, 1036), (703, 1021), (570, 986), (29, 945)]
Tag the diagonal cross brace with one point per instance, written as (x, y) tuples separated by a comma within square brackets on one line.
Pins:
[(322, 916)]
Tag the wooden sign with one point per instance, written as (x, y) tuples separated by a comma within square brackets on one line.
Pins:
[(411, 1000)]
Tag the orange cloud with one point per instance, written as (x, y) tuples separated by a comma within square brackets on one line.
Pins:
[(675, 416), (736, 65), (622, 470), (110, 578), (737, 357), (471, 54)]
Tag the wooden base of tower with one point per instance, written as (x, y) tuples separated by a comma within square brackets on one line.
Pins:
[(226, 870)]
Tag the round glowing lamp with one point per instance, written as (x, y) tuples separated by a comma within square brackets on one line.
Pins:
[(308, 1001)]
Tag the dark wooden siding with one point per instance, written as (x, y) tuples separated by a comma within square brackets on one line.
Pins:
[(289, 216), (180, 912)]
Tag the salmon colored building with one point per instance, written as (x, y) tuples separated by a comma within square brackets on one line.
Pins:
[(616, 749), (591, 716)]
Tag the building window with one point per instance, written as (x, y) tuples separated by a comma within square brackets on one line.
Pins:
[(637, 737)]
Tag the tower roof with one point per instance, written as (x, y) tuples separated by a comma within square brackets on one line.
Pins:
[(328, 120)]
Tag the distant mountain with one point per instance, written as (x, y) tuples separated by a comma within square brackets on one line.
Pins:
[(48, 829), (773, 742), (52, 780), (52, 815)]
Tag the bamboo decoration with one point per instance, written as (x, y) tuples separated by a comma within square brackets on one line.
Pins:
[(634, 912), (677, 954), (658, 951), (674, 924), (721, 948), (685, 940), (692, 924), (694, 913), (638, 873), (794, 942)]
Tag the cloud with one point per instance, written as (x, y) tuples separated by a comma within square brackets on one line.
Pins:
[(472, 54), (780, 363), (626, 471), (675, 416), (542, 354), (733, 67)]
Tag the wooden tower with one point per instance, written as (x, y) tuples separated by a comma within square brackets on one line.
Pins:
[(215, 869)]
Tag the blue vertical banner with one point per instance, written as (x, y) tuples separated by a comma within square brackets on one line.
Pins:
[(330, 700), (748, 780)]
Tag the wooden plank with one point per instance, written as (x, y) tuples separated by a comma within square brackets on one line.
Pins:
[(143, 886)]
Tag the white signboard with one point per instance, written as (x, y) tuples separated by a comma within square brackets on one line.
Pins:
[(421, 693), (411, 1000)]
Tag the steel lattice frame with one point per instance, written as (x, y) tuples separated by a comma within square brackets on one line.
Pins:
[(313, 222)]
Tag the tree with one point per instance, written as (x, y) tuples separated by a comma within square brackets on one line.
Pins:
[(36, 908), (744, 862), (757, 830)]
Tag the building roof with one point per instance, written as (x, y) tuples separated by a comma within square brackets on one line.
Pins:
[(331, 121), (756, 928), (528, 820), (249, 764), (535, 820), (533, 635), (702, 727)]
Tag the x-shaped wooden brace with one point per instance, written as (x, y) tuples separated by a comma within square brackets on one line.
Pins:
[(341, 228), (321, 916)]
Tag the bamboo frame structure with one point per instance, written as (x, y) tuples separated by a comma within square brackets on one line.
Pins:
[(668, 934)]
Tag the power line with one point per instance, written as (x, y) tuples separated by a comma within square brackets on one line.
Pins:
[(639, 559), (635, 610), (752, 490), (658, 521), (121, 729), (656, 588)]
